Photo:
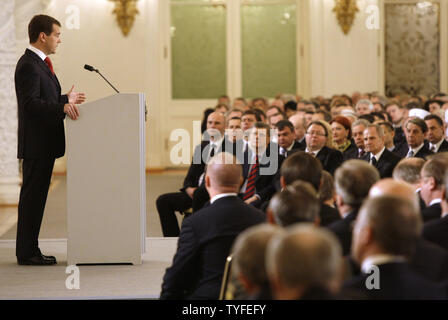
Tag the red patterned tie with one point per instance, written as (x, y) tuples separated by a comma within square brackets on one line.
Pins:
[(49, 64), (250, 186)]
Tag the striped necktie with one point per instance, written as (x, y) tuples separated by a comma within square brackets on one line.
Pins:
[(250, 186), (410, 154)]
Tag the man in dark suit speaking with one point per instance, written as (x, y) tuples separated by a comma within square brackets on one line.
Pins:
[(41, 138), (207, 236)]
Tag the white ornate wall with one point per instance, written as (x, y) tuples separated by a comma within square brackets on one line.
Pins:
[(9, 165), (14, 18)]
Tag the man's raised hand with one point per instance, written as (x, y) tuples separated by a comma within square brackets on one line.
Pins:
[(75, 97)]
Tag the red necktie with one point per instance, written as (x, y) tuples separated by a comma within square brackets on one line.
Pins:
[(49, 64), (250, 186)]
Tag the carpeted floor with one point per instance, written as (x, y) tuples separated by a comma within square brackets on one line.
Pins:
[(96, 282)]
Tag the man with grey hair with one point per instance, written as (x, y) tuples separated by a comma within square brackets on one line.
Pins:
[(303, 263), (296, 203), (408, 170), (248, 260), (207, 236), (436, 231), (352, 182), (377, 154), (358, 128), (299, 123), (382, 244), (363, 106), (432, 188)]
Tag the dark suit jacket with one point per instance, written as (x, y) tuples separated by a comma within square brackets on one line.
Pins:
[(343, 229), (265, 184), (443, 147), (436, 231), (386, 164), (398, 281), (296, 147), (331, 159), (432, 212), (40, 109), (430, 260), (422, 153), (351, 152), (204, 243), (399, 137), (302, 144), (328, 215)]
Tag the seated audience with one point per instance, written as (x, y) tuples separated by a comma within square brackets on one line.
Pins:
[(193, 194), (352, 182), (415, 131), (207, 236), (436, 134), (327, 193), (377, 154), (342, 137), (286, 138), (428, 259), (316, 140), (432, 175), (248, 260), (384, 237), (304, 263), (358, 128), (261, 163), (304, 167), (296, 203), (436, 230)]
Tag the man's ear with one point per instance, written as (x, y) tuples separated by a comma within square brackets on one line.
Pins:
[(270, 216), (339, 201), (282, 182), (432, 183), (207, 181)]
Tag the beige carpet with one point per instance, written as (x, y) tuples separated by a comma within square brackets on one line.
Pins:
[(96, 282)]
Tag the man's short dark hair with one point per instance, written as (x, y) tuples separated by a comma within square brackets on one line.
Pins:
[(434, 117), (387, 124), (41, 23), (327, 115), (302, 166), (297, 203), (282, 124), (256, 115), (418, 122), (291, 105)]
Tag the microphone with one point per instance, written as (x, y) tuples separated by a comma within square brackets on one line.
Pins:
[(90, 68)]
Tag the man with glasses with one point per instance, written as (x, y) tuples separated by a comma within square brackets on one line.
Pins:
[(316, 139)]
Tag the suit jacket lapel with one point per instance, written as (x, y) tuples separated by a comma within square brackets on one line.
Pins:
[(45, 68)]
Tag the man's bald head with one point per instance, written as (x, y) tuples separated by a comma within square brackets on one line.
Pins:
[(395, 188), (224, 173)]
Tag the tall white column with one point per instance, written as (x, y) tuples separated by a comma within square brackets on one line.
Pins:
[(9, 165)]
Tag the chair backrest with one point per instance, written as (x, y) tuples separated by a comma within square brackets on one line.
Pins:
[(226, 278)]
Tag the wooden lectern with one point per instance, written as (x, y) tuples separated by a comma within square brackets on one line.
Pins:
[(106, 184)]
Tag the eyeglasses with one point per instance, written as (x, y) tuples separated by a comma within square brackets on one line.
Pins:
[(315, 133)]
